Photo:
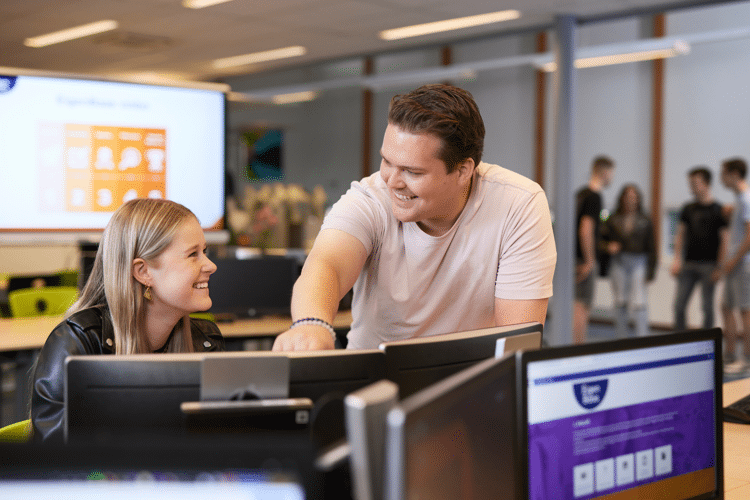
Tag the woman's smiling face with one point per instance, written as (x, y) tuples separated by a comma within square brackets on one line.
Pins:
[(180, 274)]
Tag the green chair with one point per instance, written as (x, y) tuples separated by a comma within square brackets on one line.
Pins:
[(204, 315), (4, 307), (45, 301), (19, 432), (68, 277)]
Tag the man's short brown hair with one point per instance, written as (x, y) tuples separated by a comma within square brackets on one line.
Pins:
[(602, 162), (447, 112), (735, 165)]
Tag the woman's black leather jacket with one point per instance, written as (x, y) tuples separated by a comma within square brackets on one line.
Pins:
[(88, 331)]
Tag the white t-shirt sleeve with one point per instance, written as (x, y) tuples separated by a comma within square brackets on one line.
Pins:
[(745, 207), (528, 254), (359, 213)]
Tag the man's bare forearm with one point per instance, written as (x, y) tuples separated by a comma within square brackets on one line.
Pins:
[(317, 292)]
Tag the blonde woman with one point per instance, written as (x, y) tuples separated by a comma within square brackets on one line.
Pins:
[(151, 271)]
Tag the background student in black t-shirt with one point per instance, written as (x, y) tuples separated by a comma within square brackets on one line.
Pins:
[(699, 245), (588, 207)]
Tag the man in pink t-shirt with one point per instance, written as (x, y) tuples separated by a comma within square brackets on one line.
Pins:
[(436, 241)]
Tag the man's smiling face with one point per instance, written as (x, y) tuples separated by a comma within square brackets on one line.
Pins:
[(420, 188)]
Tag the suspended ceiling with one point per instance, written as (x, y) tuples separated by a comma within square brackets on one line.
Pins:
[(163, 38)]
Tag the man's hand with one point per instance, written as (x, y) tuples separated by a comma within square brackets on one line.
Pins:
[(676, 267), (583, 271), (304, 338), (723, 270), (716, 274), (330, 270)]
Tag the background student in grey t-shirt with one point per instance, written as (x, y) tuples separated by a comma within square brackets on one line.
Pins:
[(736, 268)]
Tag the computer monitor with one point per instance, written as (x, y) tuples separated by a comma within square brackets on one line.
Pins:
[(326, 377), (416, 363), (315, 374), (366, 410), (229, 469), (34, 281), (631, 418), (107, 397), (256, 286), (456, 439)]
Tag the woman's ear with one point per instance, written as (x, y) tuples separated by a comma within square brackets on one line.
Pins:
[(141, 272)]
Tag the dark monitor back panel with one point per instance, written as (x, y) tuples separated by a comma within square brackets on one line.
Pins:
[(111, 396), (456, 439), (252, 287), (316, 374), (21, 282), (418, 364), (107, 396)]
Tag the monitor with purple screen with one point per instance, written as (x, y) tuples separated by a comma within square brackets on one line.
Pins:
[(633, 418)]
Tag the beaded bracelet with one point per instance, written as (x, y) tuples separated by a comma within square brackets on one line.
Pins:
[(316, 322)]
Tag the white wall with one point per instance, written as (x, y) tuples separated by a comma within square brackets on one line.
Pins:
[(322, 138), (39, 259), (506, 100), (707, 99)]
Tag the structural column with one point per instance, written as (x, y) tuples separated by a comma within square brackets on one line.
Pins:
[(540, 151), (561, 332), (366, 121)]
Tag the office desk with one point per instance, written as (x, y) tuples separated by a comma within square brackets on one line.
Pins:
[(272, 325), (19, 334), (19, 337), (736, 446)]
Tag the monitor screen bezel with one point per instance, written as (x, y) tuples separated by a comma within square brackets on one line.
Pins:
[(458, 349), (441, 393), (523, 358)]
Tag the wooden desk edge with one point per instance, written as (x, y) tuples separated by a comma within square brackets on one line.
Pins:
[(734, 390), (18, 334), (272, 325)]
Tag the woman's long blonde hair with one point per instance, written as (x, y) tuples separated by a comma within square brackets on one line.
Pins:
[(140, 228)]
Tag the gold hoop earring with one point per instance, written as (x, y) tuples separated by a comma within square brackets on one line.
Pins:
[(147, 294)]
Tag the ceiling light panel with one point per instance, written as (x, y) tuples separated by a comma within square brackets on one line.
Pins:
[(199, 4), (449, 25), (71, 33), (259, 57)]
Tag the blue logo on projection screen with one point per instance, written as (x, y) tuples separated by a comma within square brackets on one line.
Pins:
[(7, 83), (590, 394)]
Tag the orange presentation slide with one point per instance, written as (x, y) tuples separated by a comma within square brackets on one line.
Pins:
[(102, 166)]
